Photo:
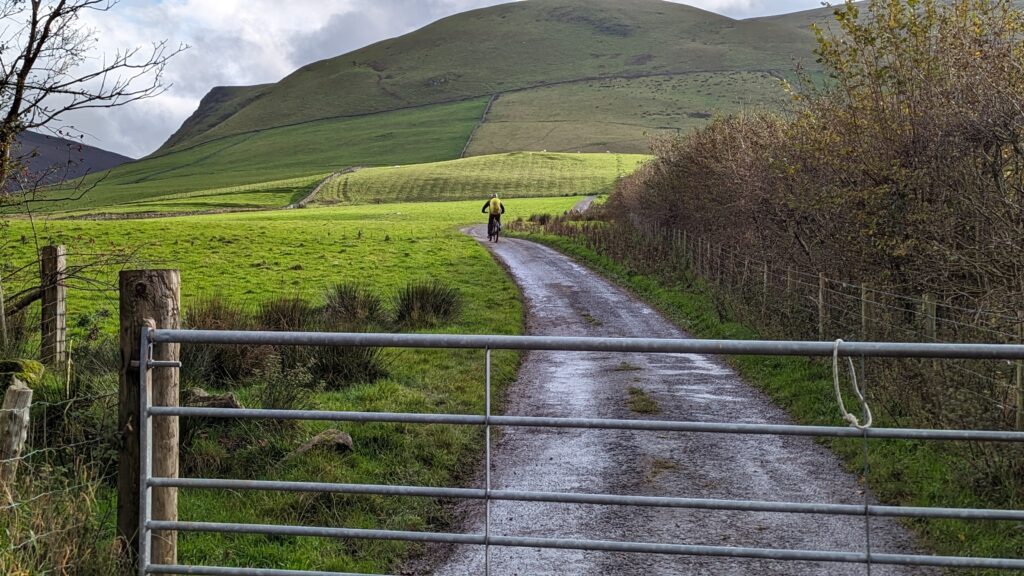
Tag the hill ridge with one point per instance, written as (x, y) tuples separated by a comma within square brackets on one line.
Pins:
[(498, 49)]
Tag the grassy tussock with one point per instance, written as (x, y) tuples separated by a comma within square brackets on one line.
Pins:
[(426, 304)]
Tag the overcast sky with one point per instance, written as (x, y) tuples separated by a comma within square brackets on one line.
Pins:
[(241, 42)]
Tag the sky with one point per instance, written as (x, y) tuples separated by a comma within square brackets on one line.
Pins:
[(244, 42)]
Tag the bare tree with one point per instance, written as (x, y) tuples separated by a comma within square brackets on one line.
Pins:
[(45, 69)]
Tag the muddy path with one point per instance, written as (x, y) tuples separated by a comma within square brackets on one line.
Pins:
[(565, 299)]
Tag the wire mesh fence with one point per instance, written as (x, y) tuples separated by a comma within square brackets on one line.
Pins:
[(785, 302)]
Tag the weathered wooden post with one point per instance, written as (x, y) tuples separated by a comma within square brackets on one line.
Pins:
[(148, 298), (865, 312), (764, 289), (822, 287), (13, 431), (52, 273), (3, 316), (929, 310), (1020, 372)]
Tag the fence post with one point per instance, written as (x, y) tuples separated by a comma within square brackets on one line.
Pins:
[(929, 316), (13, 431), (865, 312), (764, 289), (53, 324), (1020, 373), (148, 298), (3, 316), (719, 266), (822, 283)]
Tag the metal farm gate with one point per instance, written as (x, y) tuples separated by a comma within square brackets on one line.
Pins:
[(835, 350)]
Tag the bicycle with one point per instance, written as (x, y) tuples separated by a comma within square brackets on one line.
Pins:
[(493, 229)]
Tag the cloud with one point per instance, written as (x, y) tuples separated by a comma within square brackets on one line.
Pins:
[(243, 42)]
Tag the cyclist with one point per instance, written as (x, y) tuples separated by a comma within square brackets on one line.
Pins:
[(496, 209)]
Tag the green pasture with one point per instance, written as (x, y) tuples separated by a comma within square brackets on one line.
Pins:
[(619, 114), (252, 257), (514, 175)]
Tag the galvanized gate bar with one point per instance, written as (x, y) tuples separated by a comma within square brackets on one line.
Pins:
[(577, 344), (601, 545), (486, 421), (596, 499), (222, 571), (603, 424)]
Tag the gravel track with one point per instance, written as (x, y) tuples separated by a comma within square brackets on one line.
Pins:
[(565, 299)]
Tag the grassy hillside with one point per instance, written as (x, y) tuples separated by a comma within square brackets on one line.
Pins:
[(618, 114), (515, 175), (254, 257), (404, 137), (508, 47)]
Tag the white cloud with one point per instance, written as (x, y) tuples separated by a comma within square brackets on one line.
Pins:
[(241, 42)]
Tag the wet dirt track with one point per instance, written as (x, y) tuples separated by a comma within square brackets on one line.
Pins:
[(565, 299)]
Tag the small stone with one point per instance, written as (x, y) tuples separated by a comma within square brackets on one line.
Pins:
[(331, 438), (199, 398)]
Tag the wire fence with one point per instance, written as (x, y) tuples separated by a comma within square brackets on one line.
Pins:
[(785, 302), (56, 491)]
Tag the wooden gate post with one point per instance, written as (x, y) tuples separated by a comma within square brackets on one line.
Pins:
[(148, 298), (13, 431), (52, 275)]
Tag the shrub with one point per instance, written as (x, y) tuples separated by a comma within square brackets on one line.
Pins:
[(351, 305), (423, 304), (220, 364), (337, 367), (286, 313)]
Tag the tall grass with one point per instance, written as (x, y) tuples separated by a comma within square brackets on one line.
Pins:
[(424, 304)]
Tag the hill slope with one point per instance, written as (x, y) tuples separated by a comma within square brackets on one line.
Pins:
[(502, 49), (51, 159)]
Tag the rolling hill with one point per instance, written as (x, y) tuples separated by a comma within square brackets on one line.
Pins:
[(539, 75), (505, 49), (50, 159)]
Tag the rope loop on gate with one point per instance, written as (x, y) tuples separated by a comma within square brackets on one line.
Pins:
[(864, 408)]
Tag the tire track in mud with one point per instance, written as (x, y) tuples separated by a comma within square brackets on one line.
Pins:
[(565, 299)]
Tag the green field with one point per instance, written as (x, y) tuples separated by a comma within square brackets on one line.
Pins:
[(516, 175), (618, 114), (262, 196), (253, 257), (422, 135)]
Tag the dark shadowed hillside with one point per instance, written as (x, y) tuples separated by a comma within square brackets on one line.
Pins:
[(50, 159)]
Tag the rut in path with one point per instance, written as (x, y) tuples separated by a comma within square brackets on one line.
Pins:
[(565, 299)]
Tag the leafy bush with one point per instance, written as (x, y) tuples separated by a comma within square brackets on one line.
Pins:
[(424, 304)]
